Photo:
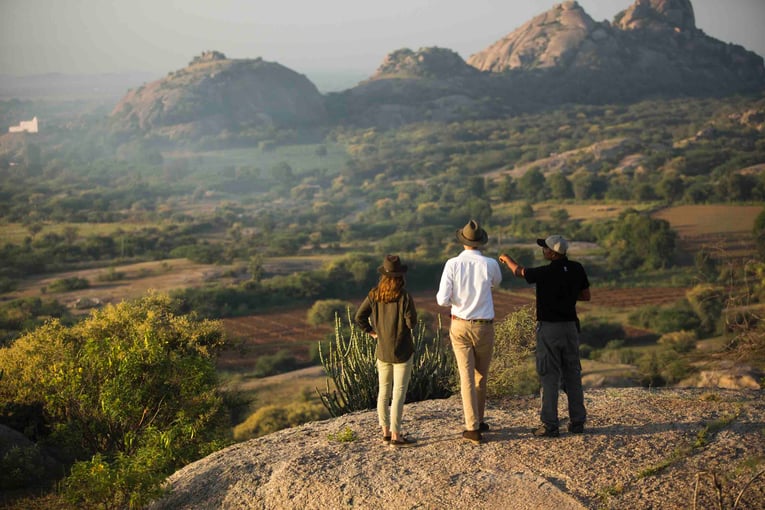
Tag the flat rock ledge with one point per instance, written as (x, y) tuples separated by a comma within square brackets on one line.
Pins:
[(642, 449)]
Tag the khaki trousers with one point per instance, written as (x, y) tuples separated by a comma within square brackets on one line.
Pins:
[(473, 344)]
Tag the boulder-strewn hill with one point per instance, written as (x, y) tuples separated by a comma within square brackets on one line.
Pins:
[(653, 48), (642, 449), (429, 84), (214, 93)]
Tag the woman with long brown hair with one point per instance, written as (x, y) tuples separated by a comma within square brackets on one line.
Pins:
[(388, 314)]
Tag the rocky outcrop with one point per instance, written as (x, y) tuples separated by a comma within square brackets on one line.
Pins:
[(651, 48), (438, 63), (214, 93), (429, 84), (560, 37), (642, 449), (658, 14)]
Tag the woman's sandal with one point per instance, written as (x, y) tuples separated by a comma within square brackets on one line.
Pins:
[(403, 441)]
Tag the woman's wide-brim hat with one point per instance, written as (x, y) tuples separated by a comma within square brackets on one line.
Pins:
[(472, 234), (392, 266)]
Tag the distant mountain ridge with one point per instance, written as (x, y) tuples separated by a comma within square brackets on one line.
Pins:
[(651, 49), (106, 86)]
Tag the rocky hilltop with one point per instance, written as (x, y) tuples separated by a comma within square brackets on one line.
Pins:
[(428, 84), (651, 49), (560, 37), (214, 93), (642, 449), (653, 46)]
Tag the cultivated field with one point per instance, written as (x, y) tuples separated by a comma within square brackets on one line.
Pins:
[(267, 333), (723, 230), (699, 220)]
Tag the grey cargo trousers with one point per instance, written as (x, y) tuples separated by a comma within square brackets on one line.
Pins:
[(558, 366)]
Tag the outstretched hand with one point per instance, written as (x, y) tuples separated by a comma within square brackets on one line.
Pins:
[(511, 264), (505, 259)]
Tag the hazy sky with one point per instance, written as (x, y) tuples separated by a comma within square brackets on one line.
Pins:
[(158, 36)]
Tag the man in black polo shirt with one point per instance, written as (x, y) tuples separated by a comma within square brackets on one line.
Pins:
[(560, 284)]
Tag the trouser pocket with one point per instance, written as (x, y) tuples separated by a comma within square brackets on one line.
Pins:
[(541, 354), (542, 365)]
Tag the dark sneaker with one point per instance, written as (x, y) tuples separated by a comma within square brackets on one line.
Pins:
[(576, 428), (386, 439), (474, 436), (402, 441), (545, 432), (483, 427)]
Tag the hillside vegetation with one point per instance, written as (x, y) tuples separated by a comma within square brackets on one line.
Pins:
[(259, 235), (259, 219)]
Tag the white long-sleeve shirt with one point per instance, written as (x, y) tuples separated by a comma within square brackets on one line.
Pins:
[(466, 285)]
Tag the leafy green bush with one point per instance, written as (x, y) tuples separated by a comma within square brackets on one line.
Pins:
[(597, 332), (68, 284), (271, 418), (111, 275), (324, 311), (350, 362), (679, 341), (511, 373), (346, 435), (660, 368), (7, 284), (122, 483), (635, 240), (758, 231), (679, 317), (21, 466), (616, 355), (278, 363), (707, 302), (202, 253), (132, 383)]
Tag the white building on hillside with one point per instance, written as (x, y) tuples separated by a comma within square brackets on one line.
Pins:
[(30, 126)]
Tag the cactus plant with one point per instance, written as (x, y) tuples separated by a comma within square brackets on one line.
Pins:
[(350, 362)]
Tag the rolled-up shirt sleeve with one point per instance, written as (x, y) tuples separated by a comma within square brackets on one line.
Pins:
[(496, 273), (444, 296)]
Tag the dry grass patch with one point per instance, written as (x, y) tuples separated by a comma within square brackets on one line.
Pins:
[(724, 230), (136, 280), (700, 220), (15, 233)]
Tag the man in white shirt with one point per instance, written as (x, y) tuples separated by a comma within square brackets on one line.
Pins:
[(466, 286)]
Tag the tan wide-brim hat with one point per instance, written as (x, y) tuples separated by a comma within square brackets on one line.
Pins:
[(472, 234)]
